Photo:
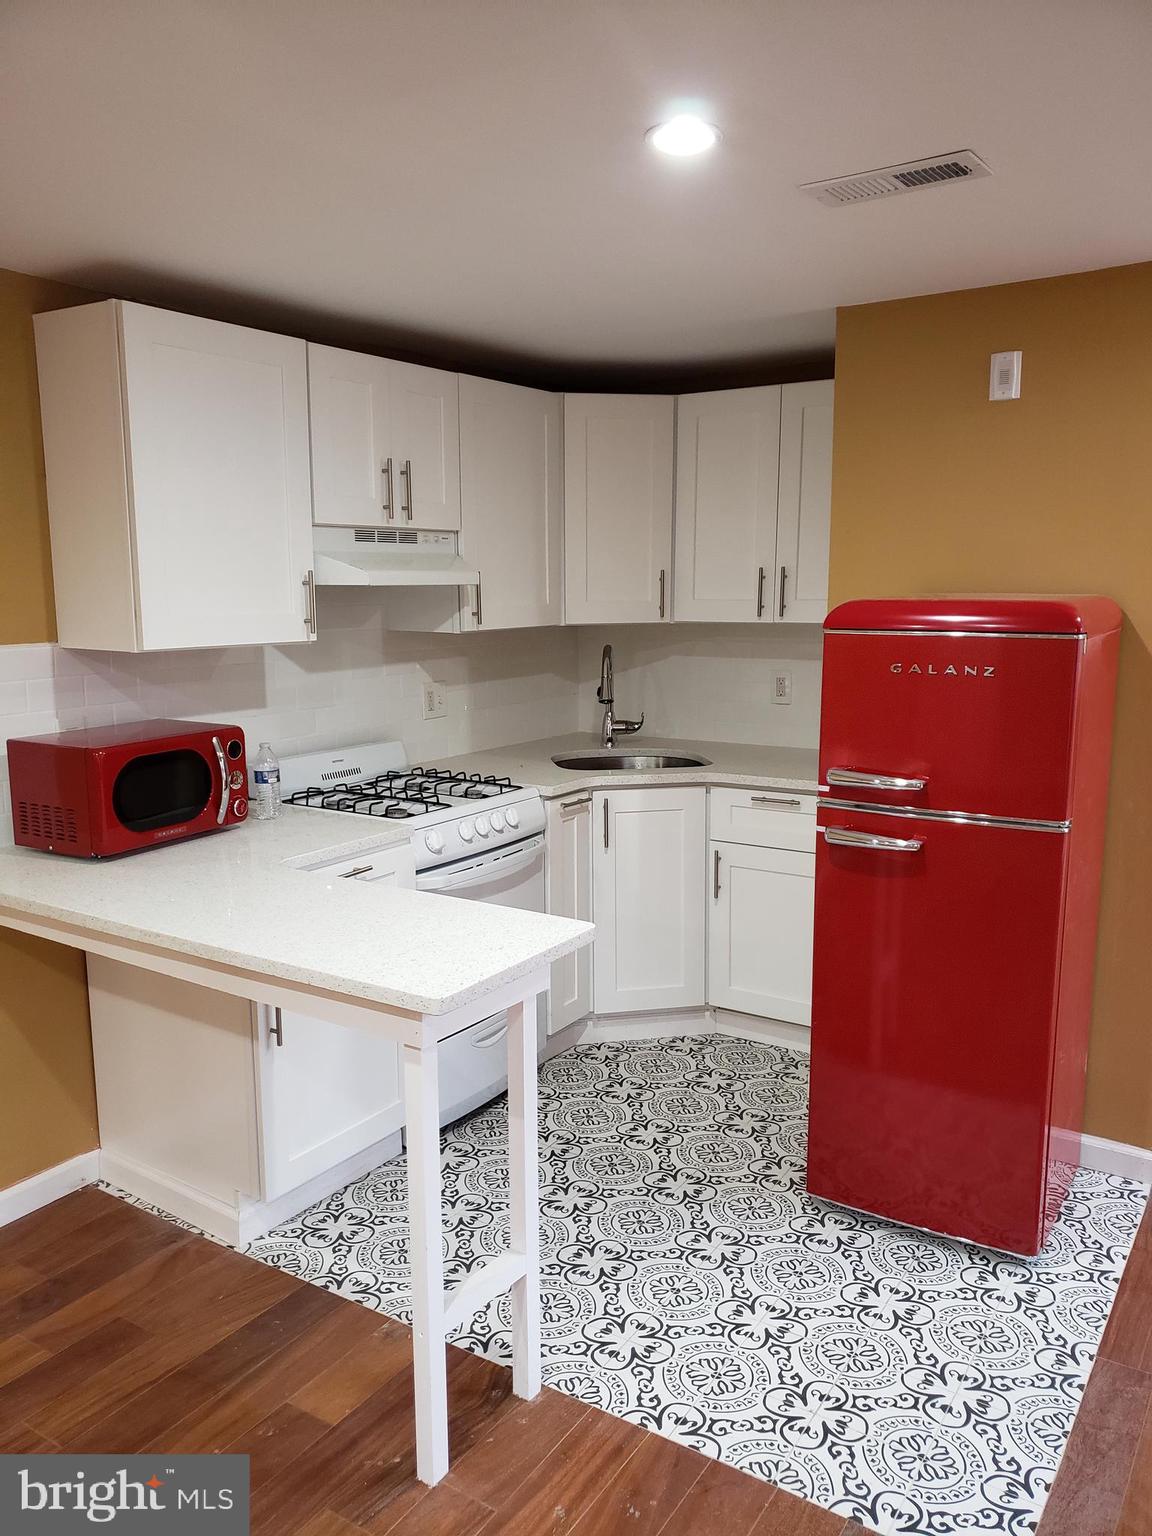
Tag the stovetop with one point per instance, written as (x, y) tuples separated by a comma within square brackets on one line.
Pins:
[(403, 793)]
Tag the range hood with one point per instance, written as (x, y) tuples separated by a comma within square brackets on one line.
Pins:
[(389, 557)]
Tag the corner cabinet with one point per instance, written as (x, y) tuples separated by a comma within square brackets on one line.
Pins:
[(176, 452), (385, 442), (648, 886), (618, 472), (568, 893), (511, 522)]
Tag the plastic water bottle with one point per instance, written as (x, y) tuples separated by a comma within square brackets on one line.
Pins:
[(266, 777)]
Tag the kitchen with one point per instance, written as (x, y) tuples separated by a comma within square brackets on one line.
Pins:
[(702, 527)]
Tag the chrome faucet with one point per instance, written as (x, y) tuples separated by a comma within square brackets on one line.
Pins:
[(604, 693)]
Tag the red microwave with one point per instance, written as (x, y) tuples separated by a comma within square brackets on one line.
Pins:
[(114, 789)]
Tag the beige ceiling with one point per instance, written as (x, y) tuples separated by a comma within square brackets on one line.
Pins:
[(474, 172)]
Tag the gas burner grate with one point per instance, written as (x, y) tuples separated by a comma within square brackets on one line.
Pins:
[(403, 792)]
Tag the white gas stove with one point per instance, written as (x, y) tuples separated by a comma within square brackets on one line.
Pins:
[(474, 836), (451, 816)]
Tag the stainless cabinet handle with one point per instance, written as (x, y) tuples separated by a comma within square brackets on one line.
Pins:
[(661, 594), (222, 808), (406, 471), (843, 837), (716, 875), (574, 805), (361, 869), (276, 1028), (774, 800), (760, 594), (783, 579), (308, 582), (386, 471), (478, 611), (605, 823), (872, 780)]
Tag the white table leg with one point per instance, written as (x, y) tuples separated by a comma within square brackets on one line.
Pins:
[(523, 1162), (422, 1107)]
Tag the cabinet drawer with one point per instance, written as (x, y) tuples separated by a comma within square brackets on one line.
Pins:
[(763, 818)]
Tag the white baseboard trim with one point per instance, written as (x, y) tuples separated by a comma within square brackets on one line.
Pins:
[(698, 1021), (747, 1026), (52, 1184), (1106, 1156)]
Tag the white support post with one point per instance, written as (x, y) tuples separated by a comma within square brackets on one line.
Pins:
[(523, 1162), (426, 1257)]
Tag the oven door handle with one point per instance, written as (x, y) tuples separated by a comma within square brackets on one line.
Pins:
[(493, 868), (222, 809)]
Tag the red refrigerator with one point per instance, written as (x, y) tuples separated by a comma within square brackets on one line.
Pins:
[(965, 745)]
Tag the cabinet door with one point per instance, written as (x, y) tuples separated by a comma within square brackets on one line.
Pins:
[(727, 469), (425, 407), (326, 1093), (218, 444), (648, 852), (568, 893), (618, 453), (801, 594), (760, 931), (510, 513), (353, 477)]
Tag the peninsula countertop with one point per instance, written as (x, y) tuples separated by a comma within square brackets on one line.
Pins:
[(732, 764), (249, 898)]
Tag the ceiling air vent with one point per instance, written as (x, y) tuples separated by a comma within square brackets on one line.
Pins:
[(891, 180)]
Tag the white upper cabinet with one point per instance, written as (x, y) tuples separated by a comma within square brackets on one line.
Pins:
[(425, 408), (511, 481), (385, 442), (618, 456), (727, 469), (801, 589), (176, 451), (352, 466)]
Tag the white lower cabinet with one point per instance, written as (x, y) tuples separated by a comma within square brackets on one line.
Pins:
[(568, 893), (648, 887), (760, 931)]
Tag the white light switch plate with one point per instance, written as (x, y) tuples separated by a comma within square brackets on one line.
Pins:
[(435, 701)]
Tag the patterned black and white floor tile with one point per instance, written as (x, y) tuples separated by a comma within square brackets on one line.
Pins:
[(691, 1285)]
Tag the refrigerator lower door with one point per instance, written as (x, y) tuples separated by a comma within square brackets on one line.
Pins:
[(935, 982)]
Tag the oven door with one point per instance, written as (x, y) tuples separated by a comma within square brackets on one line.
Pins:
[(474, 1063), (177, 789)]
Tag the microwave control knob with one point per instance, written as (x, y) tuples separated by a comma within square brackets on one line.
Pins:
[(236, 779), (497, 821), (512, 816), (434, 842), (240, 806), (483, 826), (467, 831)]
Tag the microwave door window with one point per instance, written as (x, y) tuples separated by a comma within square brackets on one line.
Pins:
[(162, 789)]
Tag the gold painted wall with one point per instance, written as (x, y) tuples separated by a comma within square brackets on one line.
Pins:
[(47, 1095), (937, 489)]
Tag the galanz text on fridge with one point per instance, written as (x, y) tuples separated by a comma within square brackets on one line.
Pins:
[(965, 669)]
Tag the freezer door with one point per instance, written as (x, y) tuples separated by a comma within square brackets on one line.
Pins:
[(933, 1016), (976, 723)]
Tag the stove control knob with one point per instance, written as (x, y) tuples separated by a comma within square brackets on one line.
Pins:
[(512, 816), (434, 842), (483, 826), (497, 821), (467, 831)]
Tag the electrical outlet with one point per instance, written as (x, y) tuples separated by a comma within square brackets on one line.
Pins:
[(782, 688), (435, 701)]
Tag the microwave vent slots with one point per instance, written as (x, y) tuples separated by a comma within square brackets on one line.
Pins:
[(891, 180), (52, 823)]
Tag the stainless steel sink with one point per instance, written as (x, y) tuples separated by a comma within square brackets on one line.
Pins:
[(635, 762)]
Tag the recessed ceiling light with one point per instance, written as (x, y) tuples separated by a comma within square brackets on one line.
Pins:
[(683, 135)]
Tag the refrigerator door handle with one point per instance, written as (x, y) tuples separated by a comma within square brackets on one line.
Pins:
[(872, 780), (844, 837)]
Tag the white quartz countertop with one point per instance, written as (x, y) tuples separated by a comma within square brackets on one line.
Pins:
[(730, 763), (239, 898)]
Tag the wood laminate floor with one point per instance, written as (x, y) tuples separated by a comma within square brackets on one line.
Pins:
[(121, 1332)]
